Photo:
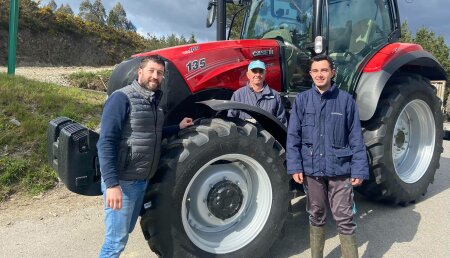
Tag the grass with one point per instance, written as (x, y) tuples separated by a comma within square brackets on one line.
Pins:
[(90, 80), (26, 107)]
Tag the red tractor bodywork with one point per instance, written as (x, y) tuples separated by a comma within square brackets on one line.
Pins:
[(223, 64)]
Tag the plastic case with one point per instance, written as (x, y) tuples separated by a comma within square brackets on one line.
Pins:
[(72, 152)]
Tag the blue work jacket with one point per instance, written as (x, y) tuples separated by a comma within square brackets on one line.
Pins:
[(268, 99), (324, 135)]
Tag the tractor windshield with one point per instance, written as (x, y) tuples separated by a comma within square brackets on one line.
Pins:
[(289, 20), (357, 35)]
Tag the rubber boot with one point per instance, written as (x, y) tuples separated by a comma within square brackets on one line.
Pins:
[(317, 241), (348, 246)]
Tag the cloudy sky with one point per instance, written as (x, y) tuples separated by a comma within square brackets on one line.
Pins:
[(186, 17)]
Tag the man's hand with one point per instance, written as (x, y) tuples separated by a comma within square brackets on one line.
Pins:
[(114, 197), (357, 181), (298, 177), (187, 121)]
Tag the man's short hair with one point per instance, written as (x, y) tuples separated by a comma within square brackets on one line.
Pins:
[(319, 58), (154, 58)]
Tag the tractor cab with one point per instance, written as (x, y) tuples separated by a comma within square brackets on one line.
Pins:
[(350, 31)]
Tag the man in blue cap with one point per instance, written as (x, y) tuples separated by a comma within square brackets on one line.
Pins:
[(258, 93)]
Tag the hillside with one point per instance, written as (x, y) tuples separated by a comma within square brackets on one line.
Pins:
[(47, 38)]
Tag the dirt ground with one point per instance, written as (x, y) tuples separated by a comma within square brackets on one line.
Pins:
[(63, 224)]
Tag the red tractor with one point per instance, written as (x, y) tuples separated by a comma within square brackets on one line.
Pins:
[(221, 188)]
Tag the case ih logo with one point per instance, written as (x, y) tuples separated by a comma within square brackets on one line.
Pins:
[(268, 52), (191, 50)]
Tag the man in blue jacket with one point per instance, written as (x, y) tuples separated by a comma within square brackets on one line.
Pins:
[(129, 150), (326, 153), (257, 93)]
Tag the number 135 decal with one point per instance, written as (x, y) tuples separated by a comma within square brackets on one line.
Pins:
[(196, 64)]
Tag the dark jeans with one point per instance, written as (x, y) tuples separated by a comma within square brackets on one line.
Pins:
[(338, 193)]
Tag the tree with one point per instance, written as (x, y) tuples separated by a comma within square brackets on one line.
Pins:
[(192, 39), (85, 11), (94, 12), (237, 22), (117, 18), (99, 12), (430, 42), (65, 9), (52, 5), (129, 26), (436, 46), (406, 33)]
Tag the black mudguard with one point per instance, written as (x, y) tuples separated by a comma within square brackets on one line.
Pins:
[(267, 120)]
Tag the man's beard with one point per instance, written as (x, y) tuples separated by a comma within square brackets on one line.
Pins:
[(153, 87)]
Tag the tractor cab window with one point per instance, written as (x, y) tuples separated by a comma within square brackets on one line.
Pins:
[(289, 21), (356, 35)]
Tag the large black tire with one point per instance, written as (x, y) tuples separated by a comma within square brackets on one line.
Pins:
[(404, 141), (221, 191)]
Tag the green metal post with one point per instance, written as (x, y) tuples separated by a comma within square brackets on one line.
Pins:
[(12, 43)]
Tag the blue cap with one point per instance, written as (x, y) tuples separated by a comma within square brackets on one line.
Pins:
[(256, 64)]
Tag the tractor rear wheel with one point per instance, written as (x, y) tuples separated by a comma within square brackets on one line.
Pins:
[(404, 141), (221, 191)]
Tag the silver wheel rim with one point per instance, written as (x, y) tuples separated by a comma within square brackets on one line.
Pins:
[(413, 141), (220, 236)]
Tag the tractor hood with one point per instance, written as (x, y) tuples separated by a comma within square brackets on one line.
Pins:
[(222, 64)]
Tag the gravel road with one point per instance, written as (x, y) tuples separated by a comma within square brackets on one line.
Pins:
[(57, 75), (62, 224)]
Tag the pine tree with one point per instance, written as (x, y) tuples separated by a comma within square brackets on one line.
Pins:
[(85, 11), (129, 26), (117, 18), (52, 4), (406, 33), (192, 39), (66, 9), (94, 12), (99, 12)]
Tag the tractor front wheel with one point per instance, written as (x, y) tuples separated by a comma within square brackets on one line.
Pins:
[(221, 190)]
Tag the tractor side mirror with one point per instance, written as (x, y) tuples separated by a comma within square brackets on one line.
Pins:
[(212, 10)]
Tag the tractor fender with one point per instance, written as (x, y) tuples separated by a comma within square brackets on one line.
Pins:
[(384, 64), (123, 74), (269, 122)]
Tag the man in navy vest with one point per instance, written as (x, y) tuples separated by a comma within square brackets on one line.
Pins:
[(129, 150)]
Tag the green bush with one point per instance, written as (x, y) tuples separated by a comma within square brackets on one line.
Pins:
[(90, 80), (26, 107)]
